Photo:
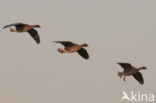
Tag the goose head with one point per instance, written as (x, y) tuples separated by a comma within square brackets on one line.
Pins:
[(36, 26), (142, 68), (85, 45)]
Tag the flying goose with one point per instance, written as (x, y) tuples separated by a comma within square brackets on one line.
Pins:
[(20, 27), (130, 70), (70, 47)]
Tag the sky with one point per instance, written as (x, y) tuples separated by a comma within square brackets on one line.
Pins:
[(115, 30)]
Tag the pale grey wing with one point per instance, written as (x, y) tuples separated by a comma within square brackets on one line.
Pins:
[(65, 43), (126, 66), (138, 76), (34, 35), (14, 24), (83, 53)]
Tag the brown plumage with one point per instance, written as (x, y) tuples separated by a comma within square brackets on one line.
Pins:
[(130, 70), (20, 27), (72, 47)]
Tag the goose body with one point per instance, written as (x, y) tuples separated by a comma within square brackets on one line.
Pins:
[(73, 48), (70, 47), (130, 70), (20, 27)]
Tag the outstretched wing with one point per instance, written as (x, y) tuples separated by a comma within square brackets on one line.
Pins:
[(14, 24), (126, 66), (65, 43), (34, 35), (138, 76), (83, 53)]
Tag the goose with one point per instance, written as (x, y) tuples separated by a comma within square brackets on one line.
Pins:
[(130, 70), (21, 27), (70, 47)]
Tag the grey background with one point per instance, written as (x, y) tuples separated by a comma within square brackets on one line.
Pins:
[(115, 30)]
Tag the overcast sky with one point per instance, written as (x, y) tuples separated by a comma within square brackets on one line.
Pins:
[(115, 30)]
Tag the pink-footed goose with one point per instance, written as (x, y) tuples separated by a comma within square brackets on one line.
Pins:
[(70, 47), (130, 70), (20, 27)]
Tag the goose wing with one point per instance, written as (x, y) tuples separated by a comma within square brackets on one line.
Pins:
[(34, 35), (65, 43), (14, 24), (138, 76), (126, 66), (83, 53)]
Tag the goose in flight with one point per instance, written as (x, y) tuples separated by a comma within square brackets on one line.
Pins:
[(130, 70), (70, 47), (20, 27)]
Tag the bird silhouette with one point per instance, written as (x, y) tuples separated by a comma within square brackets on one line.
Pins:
[(125, 96)]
